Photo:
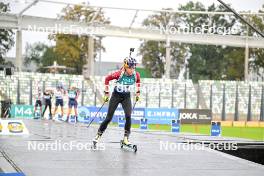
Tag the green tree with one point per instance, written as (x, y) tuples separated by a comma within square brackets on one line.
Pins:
[(73, 49), (34, 53), (6, 36), (152, 57), (257, 54), (209, 61), (234, 63), (41, 55), (204, 61), (154, 52)]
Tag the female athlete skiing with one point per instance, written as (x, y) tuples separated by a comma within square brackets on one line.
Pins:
[(125, 78)]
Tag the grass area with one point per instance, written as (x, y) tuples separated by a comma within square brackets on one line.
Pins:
[(255, 133)]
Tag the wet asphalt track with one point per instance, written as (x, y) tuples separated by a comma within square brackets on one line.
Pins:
[(152, 158)]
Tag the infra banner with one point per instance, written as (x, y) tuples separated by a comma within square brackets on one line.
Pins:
[(161, 115)]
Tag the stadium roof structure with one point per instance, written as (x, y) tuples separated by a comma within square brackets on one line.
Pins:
[(20, 18)]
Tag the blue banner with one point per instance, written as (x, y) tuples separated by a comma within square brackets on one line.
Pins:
[(175, 126), (216, 129), (85, 114), (161, 115), (144, 124), (121, 122), (100, 116), (136, 115), (154, 115)]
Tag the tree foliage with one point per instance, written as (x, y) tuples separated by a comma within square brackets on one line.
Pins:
[(6, 36), (154, 53), (73, 49), (204, 61)]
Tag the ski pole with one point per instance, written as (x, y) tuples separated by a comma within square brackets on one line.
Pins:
[(134, 106), (96, 114)]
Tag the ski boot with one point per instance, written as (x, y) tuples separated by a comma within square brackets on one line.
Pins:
[(96, 140)]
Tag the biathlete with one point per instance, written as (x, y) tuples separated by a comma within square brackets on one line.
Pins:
[(125, 78), (73, 94), (38, 102), (47, 96), (59, 92)]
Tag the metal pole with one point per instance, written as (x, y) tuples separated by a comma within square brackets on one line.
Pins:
[(211, 97), (43, 86), (90, 55), (172, 96), (223, 105), (188, 72), (262, 105), (19, 49), (185, 94), (82, 98), (198, 96), (246, 59), (159, 96), (100, 55), (18, 91), (168, 58), (146, 96), (95, 96), (236, 105), (30, 91), (249, 115), (153, 10)]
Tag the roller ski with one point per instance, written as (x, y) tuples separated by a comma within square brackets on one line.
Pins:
[(127, 145)]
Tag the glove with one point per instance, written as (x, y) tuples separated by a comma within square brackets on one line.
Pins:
[(137, 95), (137, 98), (106, 97)]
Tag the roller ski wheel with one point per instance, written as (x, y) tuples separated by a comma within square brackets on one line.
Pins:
[(130, 146), (121, 143), (95, 142), (94, 145), (134, 148)]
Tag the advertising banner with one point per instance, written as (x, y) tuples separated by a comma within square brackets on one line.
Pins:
[(195, 116), (161, 115), (13, 127), (22, 111)]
